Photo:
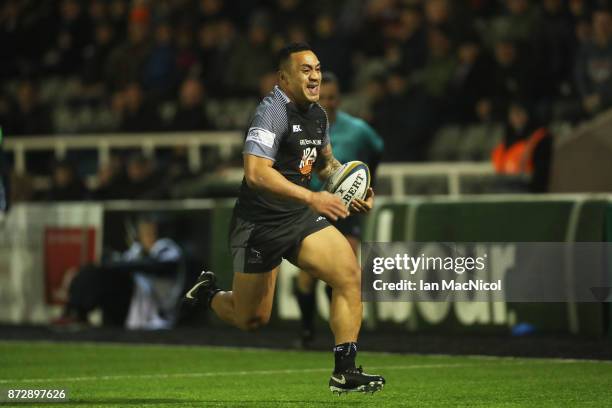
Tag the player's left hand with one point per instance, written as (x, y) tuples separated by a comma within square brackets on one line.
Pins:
[(363, 206)]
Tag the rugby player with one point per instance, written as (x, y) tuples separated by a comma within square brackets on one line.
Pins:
[(352, 139), (277, 216)]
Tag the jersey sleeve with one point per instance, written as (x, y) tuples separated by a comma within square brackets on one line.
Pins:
[(266, 131)]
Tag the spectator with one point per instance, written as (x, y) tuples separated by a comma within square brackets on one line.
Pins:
[(211, 10), (142, 181), (98, 11), (405, 118), (111, 180), (66, 184), (553, 44), (140, 289), (186, 55), (333, 49), (243, 77), (469, 82), (191, 113), (517, 24), (440, 65), (125, 63), (267, 83), (525, 149), (137, 115), (443, 15), (160, 69), (30, 116), (96, 54), (72, 35), (10, 18), (209, 68), (285, 13), (510, 78), (412, 38), (594, 65), (216, 42), (117, 12)]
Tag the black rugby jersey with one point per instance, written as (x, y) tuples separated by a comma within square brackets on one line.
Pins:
[(293, 139)]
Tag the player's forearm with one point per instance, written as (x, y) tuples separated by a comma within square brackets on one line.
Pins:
[(270, 180), (330, 167)]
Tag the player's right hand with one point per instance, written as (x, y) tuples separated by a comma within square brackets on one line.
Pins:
[(328, 205)]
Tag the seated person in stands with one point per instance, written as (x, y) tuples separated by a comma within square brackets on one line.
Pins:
[(525, 148), (140, 289), (66, 185)]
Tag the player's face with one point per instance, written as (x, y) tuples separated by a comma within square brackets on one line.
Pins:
[(330, 98), (303, 78)]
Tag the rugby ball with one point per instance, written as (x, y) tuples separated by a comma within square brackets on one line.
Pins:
[(350, 181)]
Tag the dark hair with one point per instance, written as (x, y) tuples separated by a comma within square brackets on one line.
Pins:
[(287, 50), (149, 218), (329, 77)]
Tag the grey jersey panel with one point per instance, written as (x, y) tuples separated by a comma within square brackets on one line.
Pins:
[(268, 127)]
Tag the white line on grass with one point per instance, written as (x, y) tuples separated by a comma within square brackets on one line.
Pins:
[(215, 374)]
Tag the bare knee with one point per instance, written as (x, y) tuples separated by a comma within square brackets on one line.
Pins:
[(347, 279), (252, 322)]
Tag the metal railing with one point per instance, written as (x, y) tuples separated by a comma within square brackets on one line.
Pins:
[(103, 143), (226, 143)]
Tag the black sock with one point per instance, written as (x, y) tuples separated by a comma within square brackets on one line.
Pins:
[(345, 354), (306, 301)]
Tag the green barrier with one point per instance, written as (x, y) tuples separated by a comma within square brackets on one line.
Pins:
[(221, 258), (491, 221)]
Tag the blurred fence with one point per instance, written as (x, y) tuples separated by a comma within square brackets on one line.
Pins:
[(39, 243), (394, 179), (103, 144)]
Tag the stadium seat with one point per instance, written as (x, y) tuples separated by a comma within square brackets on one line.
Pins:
[(425, 185), (445, 143), (478, 141)]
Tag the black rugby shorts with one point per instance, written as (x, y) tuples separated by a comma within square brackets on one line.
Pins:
[(258, 248)]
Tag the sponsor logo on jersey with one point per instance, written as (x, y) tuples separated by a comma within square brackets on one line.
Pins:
[(308, 142), (297, 128), (309, 155), (261, 136)]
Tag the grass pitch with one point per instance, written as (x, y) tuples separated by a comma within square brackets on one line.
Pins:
[(108, 375)]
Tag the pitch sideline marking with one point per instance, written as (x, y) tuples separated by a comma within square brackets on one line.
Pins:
[(244, 373)]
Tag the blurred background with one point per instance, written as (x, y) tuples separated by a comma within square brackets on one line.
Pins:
[(495, 116)]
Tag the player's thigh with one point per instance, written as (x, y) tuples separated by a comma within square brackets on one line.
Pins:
[(253, 294), (328, 256), (353, 242)]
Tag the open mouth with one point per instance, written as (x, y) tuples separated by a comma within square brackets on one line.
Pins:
[(313, 89)]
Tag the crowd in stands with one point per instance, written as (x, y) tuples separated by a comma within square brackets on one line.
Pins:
[(406, 66)]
